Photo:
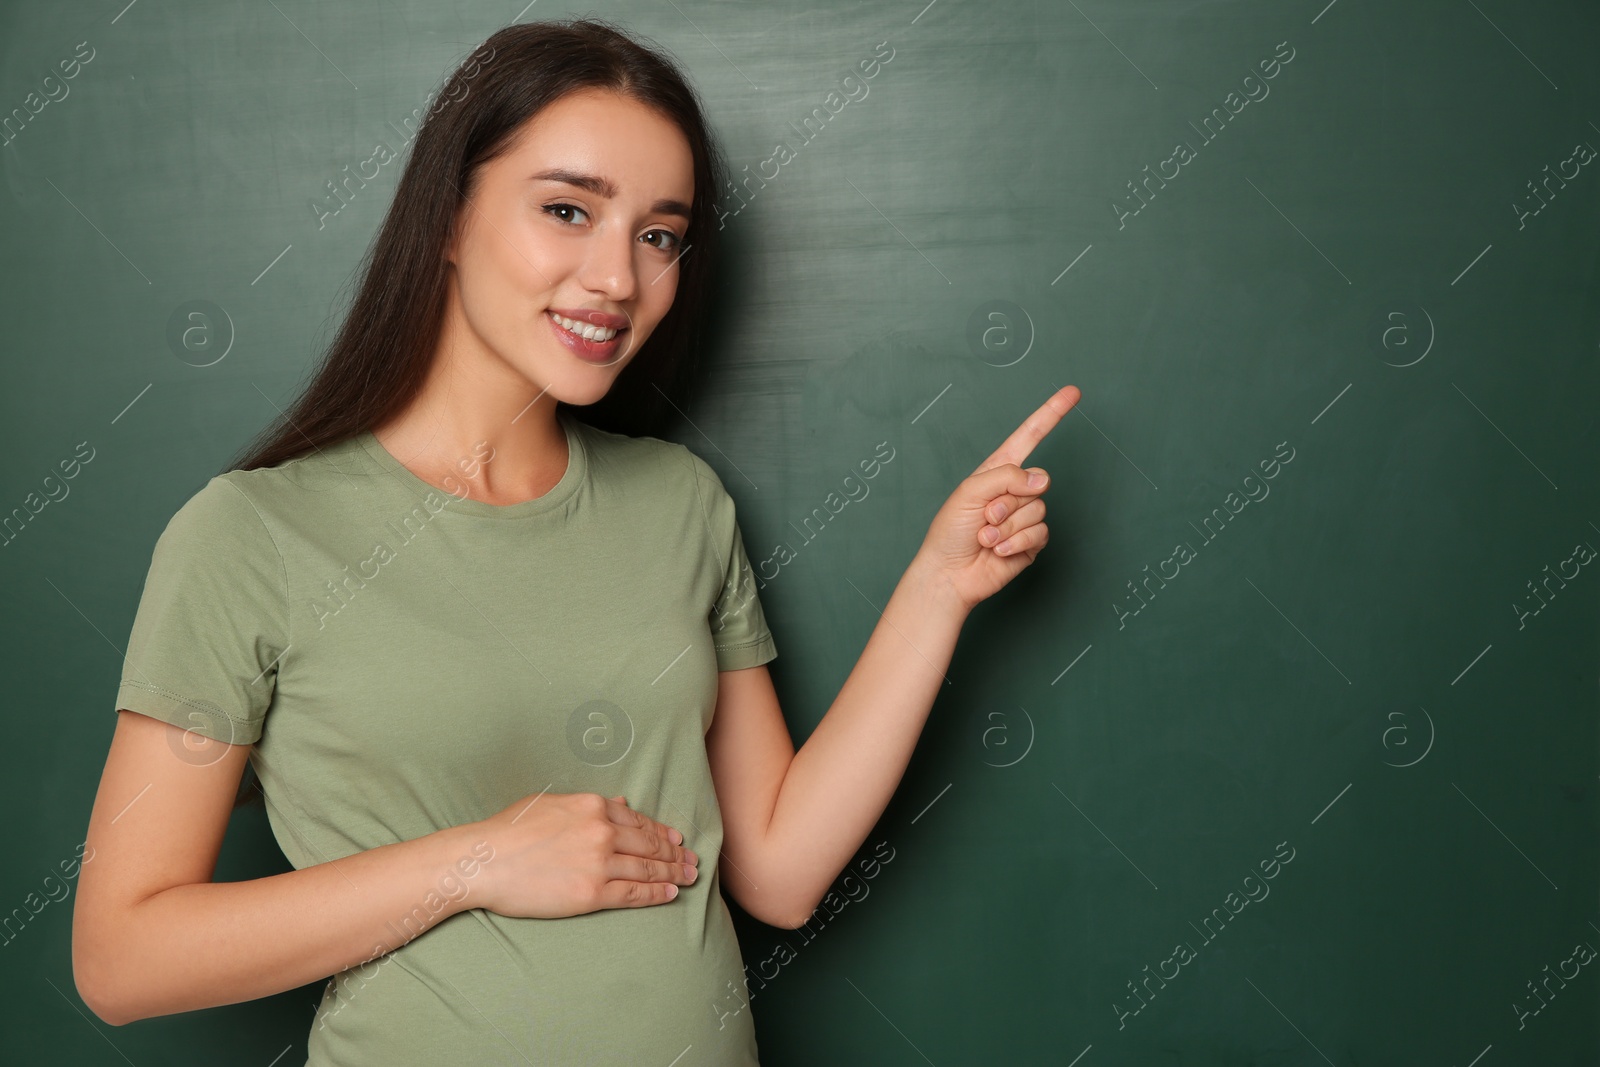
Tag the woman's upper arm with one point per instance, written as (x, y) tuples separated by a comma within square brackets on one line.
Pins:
[(749, 750), (158, 819), (198, 676)]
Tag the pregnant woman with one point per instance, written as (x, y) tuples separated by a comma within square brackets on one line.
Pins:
[(492, 650)]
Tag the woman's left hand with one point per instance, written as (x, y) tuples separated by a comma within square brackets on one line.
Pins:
[(992, 527)]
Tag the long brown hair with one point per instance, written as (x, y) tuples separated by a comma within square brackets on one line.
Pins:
[(380, 357)]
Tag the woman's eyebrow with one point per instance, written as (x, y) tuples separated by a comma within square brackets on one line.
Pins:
[(606, 188)]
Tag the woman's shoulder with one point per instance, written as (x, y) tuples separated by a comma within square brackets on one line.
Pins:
[(298, 484), (243, 504), (664, 463), (214, 508), (215, 528), (672, 475)]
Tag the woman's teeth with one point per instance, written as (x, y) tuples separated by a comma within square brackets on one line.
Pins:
[(583, 329)]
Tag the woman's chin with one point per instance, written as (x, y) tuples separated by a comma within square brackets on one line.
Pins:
[(587, 386)]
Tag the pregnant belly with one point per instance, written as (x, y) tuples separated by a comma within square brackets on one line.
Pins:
[(620, 986)]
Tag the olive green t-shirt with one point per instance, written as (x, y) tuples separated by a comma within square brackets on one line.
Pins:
[(406, 659)]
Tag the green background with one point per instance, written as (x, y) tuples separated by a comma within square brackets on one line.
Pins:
[(1344, 271)]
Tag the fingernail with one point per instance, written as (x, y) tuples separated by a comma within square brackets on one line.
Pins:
[(989, 535), (1035, 480), (690, 872), (672, 891)]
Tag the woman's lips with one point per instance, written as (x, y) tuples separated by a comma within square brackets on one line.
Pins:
[(585, 349)]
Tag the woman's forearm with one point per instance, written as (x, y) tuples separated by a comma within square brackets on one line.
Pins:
[(212, 943), (841, 779)]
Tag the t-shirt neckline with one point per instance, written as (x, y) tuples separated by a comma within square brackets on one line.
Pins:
[(577, 469)]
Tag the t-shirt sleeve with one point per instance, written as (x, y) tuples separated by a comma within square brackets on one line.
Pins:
[(738, 625), (212, 623)]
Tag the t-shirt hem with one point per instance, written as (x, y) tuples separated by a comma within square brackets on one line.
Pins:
[(180, 711), (748, 654)]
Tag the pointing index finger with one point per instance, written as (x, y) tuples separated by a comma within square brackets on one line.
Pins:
[(1026, 437)]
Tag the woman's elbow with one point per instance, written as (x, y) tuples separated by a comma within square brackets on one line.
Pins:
[(792, 916), (785, 914), (93, 975), (92, 990)]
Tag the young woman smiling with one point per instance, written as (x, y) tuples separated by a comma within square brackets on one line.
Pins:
[(516, 774)]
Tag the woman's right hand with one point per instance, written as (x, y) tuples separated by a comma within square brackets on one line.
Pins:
[(561, 854)]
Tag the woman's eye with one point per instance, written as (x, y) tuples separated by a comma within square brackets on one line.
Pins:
[(672, 239), (552, 209)]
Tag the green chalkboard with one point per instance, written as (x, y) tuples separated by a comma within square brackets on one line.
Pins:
[(1283, 752)]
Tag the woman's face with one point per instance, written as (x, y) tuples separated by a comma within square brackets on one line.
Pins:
[(586, 214)]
